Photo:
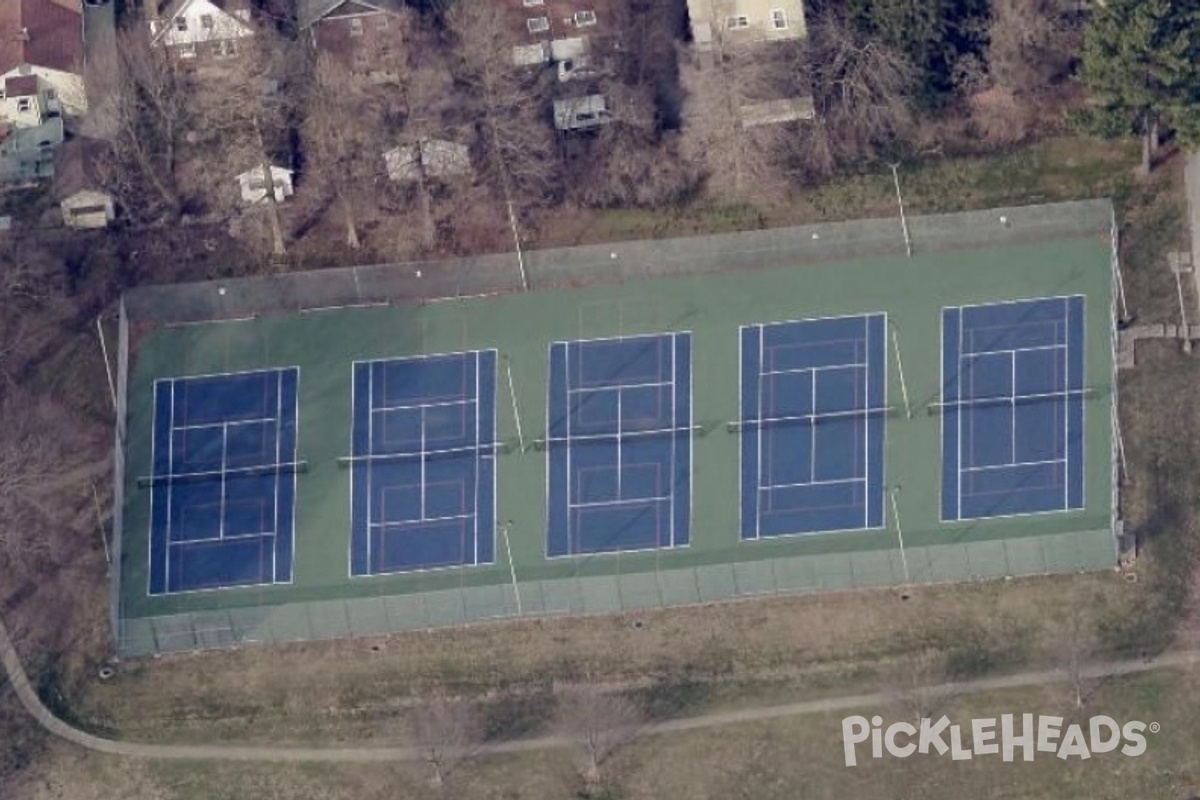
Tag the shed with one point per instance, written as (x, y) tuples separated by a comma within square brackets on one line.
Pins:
[(581, 113), (253, 184), (79, 193)]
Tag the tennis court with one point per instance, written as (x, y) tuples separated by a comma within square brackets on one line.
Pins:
[(358, 451), (812, 426), (223, 484), (1012, 409), (619, 445), (422, 468)]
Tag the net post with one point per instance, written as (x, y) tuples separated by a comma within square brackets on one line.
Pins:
[(900, 369)]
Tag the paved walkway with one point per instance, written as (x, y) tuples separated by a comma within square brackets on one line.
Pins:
[(874, 700)]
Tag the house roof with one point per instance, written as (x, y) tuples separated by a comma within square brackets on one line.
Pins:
[(45, 33), (310, 12), (440, 158), (21, 86), (76, 167), (257, 172), (173, 9)]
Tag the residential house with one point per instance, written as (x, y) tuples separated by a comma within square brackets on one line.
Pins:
[(732, 23), (27, 154), (365, 36), (253, 184), (427, 158), (80, 194), (546, 31), (41, 61), (199, 32)]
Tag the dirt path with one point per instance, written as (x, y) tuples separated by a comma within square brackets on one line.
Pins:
[(33, 704)]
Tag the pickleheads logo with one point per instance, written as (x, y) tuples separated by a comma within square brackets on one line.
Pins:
[(1029, 733)]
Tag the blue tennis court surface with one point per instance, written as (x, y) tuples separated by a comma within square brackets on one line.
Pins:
[(1012, 410), (423, 475), (620, 444), (223, 483), (812, 426)]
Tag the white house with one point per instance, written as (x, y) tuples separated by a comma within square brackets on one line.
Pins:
[(41, 47), (739, 22), (431, 158), (254, 186), (199, 31)]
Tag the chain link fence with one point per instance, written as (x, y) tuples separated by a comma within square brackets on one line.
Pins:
[(741, 575)]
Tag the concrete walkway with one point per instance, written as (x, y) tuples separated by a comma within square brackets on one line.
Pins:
[(874, 701)]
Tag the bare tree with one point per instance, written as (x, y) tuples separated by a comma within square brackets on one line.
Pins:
[(146, 114), (1029, 44), (917, 685), (507, 100), (447, 731), (862, 88), (598, 722), (341, 142), (1071, 644), (39, 442), (242, 113)]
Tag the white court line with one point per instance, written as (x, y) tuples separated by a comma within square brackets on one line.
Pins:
[(226, 423), (353, 423), (794, 370), (422, 406), (1012, 350), (1012, 406), (618, 445), (219, 539), (627, 502), (475, 463), (370, 511), (170, 486), (399, 523), (866, 420), (1015, 464), (672, 475), (1018, 301), (275, 482), (803, 484), (960, 413), (616, 387), (758, 475), (572, 547)]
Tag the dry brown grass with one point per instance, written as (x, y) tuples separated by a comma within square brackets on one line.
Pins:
[(358, 689)]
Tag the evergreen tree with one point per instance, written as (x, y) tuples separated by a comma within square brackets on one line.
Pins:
[(1142, 58)]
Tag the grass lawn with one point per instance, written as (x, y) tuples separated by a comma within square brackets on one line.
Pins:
[(785, 759), (1064, 168)]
